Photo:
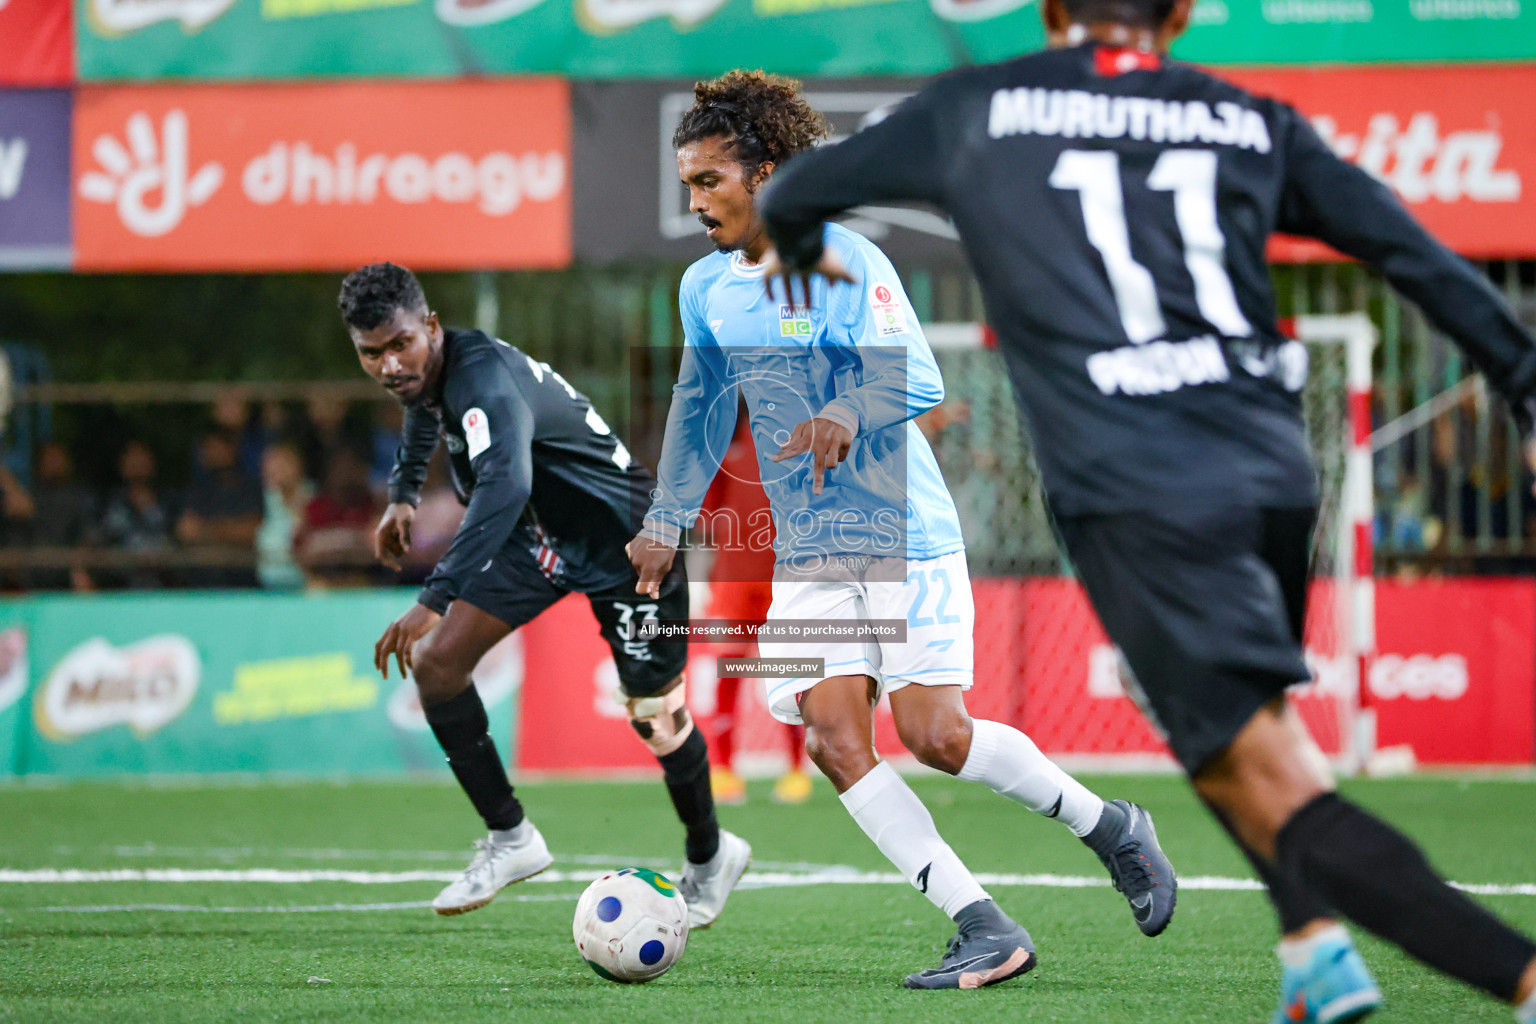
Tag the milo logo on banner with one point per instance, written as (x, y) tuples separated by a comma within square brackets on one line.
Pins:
[(145, 685)]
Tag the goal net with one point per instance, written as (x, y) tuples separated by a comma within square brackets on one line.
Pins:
[(1043, 663)]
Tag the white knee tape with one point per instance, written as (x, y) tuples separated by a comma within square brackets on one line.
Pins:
[(663, 721)]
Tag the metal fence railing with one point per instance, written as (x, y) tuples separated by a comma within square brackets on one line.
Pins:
[(1452, 493)]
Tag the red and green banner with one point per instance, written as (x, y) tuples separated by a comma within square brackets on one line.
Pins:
[(149, 40)]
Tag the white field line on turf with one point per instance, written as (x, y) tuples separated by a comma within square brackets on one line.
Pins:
[(754, 880), (322, 908), (226, 853)]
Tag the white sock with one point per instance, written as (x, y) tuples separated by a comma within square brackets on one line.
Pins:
[(1525, 1013), (1297, 953), (891, 814), (1010, 764), (517, 835)]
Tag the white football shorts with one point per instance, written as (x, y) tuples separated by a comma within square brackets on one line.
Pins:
[(935, 600)]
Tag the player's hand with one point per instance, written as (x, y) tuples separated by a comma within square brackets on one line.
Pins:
[(652, 561), (827, 440), (774, 272), (392, 537), (400, 639)]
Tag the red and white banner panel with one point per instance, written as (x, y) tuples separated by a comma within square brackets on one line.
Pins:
[(1454, 678), (1457, 144)]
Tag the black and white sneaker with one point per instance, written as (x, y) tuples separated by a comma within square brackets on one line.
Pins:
[(980, 954), (1141, 871)]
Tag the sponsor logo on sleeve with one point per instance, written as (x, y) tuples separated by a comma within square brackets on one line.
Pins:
[(477, 432), (145, 685), (889, 314)]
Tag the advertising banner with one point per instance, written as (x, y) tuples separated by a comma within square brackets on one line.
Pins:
[(216, 683), (631, 206), (145, 40), (38, 47), (34, 179), (261, 178), (1457, 144), (1455, 677)]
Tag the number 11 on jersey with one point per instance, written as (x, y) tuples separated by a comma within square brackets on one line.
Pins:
[(1190, 174)]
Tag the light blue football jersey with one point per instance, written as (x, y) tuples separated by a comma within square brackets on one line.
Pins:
[(856, 355)]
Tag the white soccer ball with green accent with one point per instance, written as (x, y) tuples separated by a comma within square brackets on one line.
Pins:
[(631, 925)]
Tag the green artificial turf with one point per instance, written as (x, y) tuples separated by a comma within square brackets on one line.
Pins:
[(798, 954)]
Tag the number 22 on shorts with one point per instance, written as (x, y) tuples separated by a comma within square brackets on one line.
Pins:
[(942, 591)]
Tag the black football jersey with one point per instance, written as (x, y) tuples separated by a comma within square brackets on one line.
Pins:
[(1115, 206), (534, 463)]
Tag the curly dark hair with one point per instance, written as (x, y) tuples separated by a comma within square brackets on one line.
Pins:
[(763, 115), (1136, 13), (370, 295)]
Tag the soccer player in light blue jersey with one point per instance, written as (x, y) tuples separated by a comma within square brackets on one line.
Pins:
[(865, 528)]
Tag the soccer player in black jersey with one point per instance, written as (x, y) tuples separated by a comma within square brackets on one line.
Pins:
[(1115, 206), (552, 498)]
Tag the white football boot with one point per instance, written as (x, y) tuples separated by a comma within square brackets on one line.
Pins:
[(706, 887), (498, 863)]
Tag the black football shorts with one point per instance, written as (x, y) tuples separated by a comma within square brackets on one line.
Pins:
[(514, 590), (1207, 606)]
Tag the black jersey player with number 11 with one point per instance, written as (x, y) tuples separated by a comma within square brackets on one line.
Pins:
[(552, 499), (1116, 206)]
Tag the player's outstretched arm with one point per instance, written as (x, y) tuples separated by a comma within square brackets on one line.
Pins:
[(1334, 201), (898, 159), (698, 432)]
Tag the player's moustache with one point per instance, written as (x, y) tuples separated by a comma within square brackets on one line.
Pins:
[(708, 221)]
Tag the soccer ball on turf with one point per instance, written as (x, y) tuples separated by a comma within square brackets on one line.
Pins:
[(631, 925)]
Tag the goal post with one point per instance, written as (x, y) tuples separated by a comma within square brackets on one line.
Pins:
[(1341, 626), (1346, 527)]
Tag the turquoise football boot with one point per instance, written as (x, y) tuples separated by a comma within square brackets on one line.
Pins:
[(1333, 988)]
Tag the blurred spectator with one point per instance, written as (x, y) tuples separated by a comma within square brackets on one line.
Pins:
[(287, 495), (61, 511), (326, 430), (389, 418), (252, 433), (221, 510), (136, 516), (336, 544), (437, 520)]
